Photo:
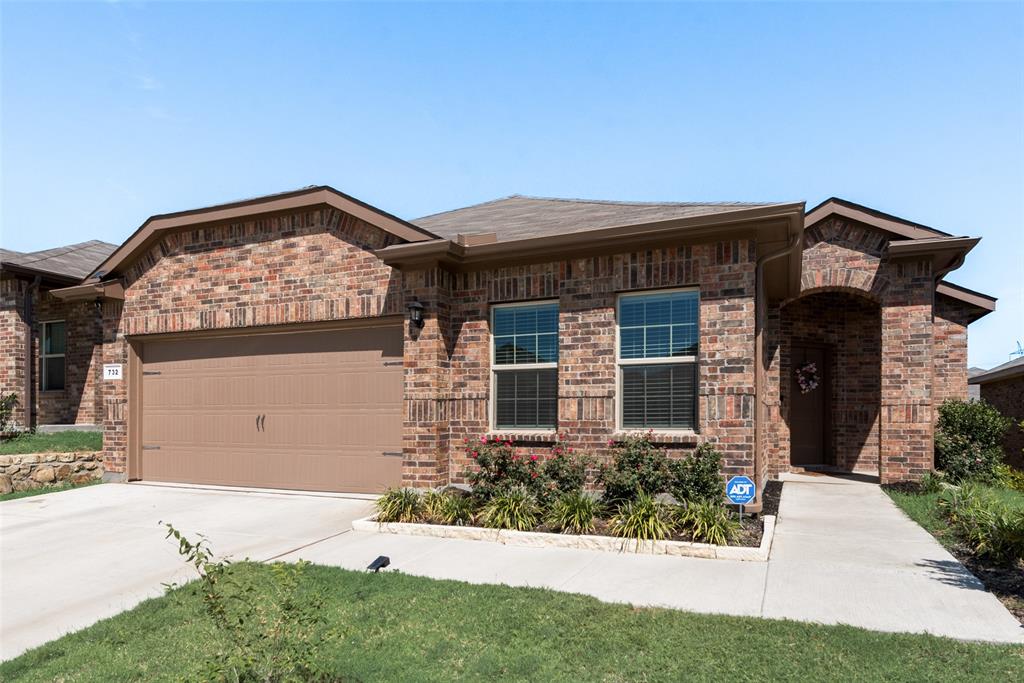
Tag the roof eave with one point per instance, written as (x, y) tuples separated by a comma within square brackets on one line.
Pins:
[(997, 375), (48, 276), (320, 195)]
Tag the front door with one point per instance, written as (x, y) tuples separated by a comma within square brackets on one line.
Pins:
[(808, 410)]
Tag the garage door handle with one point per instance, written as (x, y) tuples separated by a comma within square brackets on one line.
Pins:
[(261, 423)]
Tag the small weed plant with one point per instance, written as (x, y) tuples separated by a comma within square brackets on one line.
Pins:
[(267, 635)]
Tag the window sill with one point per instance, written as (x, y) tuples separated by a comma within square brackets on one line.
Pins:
[(525, 436), (684, 437)]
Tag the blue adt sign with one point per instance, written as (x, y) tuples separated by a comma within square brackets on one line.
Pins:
[(740, 490)]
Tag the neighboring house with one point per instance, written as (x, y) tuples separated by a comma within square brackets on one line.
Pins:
[(273, 342), (51, 348), (973, 390), (1003, 387)]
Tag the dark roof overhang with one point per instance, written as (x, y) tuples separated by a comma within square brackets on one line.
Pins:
[(91, 291), (864, 214), (47, 277), (771, 226), (982, 304), (260, 207), (1005, 371)]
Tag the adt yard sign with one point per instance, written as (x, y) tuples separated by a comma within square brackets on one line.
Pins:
[(740, 490)]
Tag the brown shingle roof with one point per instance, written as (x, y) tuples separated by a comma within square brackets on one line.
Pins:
[(73, 260), (520, 217)]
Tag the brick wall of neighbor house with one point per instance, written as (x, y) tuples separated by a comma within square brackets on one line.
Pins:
[(951, 320), (12, 341), (844, 256), (309, 266), (79, 401), (586, 293), (1008, 397)]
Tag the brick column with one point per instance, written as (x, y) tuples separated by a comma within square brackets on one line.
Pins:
[(907, 447), (115, 394), (427, 356)]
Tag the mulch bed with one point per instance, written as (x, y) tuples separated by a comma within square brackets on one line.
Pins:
[(771, 497)]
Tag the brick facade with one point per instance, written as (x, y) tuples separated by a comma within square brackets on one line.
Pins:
[(1007, 396), (80, 401), (896, 349)]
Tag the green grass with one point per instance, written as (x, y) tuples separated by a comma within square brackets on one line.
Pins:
[(14, 495), (393, 627), (922, 508), (57, 442)]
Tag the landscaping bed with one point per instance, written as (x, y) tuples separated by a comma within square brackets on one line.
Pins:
[(395, 627), (641, 501)]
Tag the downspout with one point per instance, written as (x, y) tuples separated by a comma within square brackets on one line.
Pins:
[(30, 404), (759, 311)]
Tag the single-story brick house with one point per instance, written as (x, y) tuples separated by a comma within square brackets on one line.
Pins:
[(52, 349), (1003, 387), (308, 340)]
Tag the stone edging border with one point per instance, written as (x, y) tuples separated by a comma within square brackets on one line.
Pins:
[(540, 539)]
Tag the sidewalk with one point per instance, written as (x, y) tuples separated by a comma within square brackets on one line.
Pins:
[(843, 553)]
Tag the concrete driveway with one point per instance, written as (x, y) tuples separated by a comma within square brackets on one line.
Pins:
[(72, 558)]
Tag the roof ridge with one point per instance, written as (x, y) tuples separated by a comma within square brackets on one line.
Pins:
[(626, 202), (61, 251)]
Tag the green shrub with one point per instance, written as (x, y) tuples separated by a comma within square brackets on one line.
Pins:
[(456, 509), (515, 508), (8, 403), (638, 467), (932, 482), (499, 468), (708, 522), (698, 477), (400, 505), (1009, 477), (967, 440), (643, 519), (574, 513), (988, 526)]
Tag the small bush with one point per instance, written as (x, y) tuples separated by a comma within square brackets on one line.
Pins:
[(456, 509), (991, 528), (708, 522), (1010, 478), (967, 440), (567, 471), (643, 519), (400, 505), (931, 482), (638, 467), (698, 477), (8, 403), (499, 469), (574, 513), (515, 509)]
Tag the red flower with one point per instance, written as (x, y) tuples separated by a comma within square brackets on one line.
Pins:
[(533, 458), (515, 458), (533, 474)]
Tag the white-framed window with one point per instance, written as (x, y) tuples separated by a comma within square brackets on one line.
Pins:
[(51, 355), (657, 359), (524, 366)]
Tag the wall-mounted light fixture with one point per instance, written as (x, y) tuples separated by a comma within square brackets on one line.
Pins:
[(415, 313)]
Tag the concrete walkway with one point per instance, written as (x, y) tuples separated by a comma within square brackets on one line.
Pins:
[(72, 558), (843, 554)]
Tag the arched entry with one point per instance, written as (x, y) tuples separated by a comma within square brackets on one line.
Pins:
[(831, 380)]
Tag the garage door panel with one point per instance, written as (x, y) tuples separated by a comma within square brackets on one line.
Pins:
[(332, 409)]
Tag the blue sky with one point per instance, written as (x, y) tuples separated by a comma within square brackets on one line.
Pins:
[(112, 112)]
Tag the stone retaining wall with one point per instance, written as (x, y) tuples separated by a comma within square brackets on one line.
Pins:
[(32, 470)]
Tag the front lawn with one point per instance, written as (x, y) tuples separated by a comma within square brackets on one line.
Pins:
[(57, 442), (393, 627)]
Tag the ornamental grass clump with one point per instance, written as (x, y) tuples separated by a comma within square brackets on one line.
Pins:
[(708, 522), (989, 527), (515, 509), (574, 513), (400, 505), (455, 510), (643, 519)]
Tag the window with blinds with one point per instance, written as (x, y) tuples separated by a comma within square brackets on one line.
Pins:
[(51, 355), (524, 363), (657, 356)]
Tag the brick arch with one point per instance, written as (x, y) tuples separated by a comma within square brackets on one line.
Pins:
[(855, 281)]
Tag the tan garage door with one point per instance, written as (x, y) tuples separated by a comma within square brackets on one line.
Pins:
[(319, 411)]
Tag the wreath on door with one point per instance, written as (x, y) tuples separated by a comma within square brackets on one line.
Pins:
[(807, 377)]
